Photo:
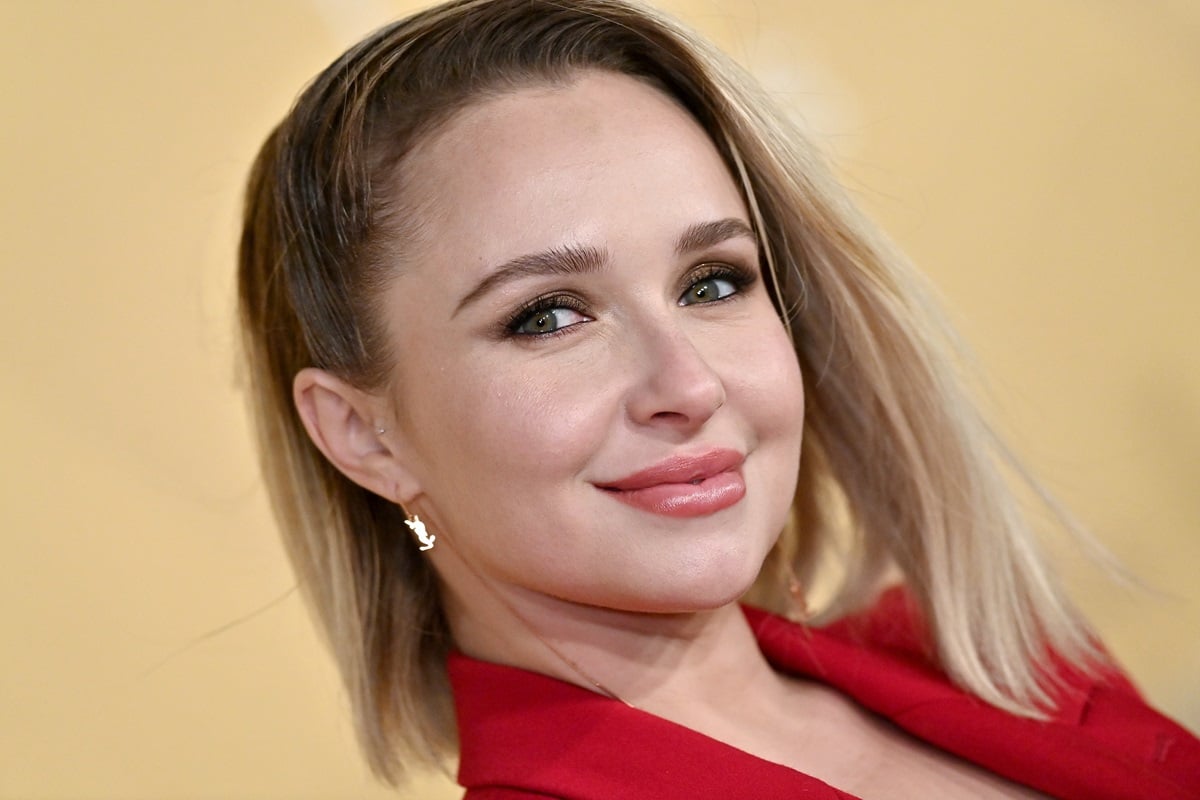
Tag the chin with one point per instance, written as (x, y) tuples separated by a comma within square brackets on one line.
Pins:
[(704, 587)]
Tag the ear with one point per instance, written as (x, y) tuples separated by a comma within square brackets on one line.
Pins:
[(343, 422)]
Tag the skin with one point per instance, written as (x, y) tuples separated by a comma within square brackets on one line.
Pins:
[(509, 435), (500, 424)]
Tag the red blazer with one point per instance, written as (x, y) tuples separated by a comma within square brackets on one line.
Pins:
[(526, 735)]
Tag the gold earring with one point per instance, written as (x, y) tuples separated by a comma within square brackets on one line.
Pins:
[(797, 595), (423, 536)]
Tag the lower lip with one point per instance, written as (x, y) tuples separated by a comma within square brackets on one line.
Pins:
[(686, 499)]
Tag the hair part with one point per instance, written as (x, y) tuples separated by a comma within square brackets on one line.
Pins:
[(897, 470)]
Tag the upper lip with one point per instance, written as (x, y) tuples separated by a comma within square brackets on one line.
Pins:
[(679, 469)]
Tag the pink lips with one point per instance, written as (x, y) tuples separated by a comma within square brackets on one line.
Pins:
[(684, 486)]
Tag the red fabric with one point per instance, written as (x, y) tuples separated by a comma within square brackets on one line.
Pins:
[(525, 735)]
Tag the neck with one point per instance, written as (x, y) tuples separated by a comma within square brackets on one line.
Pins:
[(673, 665)]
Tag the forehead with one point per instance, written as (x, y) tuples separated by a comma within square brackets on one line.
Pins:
[(563, 159)]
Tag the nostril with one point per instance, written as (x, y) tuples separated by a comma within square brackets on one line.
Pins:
[(677, 386)]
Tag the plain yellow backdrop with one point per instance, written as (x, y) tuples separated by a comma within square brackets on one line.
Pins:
[(1039, 160)]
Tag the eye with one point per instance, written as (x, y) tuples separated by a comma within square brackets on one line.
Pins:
[(708, 290), (540, 321)]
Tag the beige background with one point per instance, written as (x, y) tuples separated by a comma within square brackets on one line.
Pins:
[(1039, 160)]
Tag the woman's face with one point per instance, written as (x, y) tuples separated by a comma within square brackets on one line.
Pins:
[(595, 398)]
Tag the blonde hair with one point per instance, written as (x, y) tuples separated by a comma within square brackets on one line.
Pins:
[(898, 471)]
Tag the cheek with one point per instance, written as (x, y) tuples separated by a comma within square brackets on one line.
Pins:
[(764, 374), (493, 437), (788, 388), (548, 422)]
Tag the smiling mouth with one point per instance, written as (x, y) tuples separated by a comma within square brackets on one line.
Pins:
[(684, 486)]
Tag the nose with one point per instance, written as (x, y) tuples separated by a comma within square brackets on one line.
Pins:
[(675, 385)]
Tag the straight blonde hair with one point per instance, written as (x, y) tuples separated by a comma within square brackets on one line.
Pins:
[(898, 470)]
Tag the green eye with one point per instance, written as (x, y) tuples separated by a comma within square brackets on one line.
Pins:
[(548, 320), (707, 290)]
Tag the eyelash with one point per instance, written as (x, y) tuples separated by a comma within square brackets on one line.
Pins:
[(540, 305), (740, 277)]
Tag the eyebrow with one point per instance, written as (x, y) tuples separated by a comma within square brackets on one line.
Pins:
[(580, 259), (565, 260), (703, 235)]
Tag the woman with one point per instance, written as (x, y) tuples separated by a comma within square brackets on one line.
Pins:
[(554, 326)]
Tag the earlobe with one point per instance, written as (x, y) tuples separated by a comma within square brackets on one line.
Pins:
[(343, 423)]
